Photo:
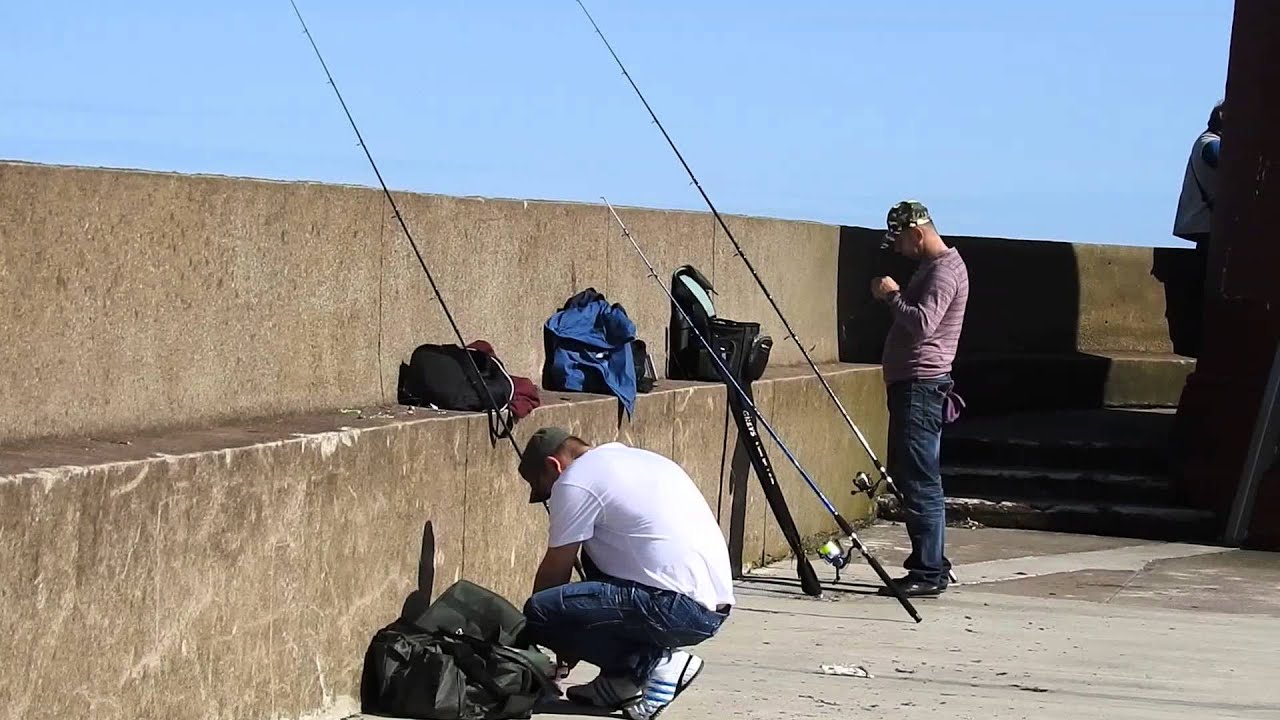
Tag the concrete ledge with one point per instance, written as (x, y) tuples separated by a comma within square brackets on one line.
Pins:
[(993, 383), (239, 571)]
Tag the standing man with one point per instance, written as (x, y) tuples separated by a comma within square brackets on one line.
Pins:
[(1194, 217), (1185, 282), (927, 319), (663, 580)]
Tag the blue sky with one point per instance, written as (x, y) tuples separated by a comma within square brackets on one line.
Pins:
[(1063, 120)]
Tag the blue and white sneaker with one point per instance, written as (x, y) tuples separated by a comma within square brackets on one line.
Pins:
[(607, 693), (670, 678)]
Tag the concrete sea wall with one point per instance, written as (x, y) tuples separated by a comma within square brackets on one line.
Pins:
[(209, 500), (181, 491), (239, 571), (141, 300)]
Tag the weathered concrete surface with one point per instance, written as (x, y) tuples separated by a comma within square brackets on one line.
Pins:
[(239, 571), (232, 583), (1194, 583), (1145, 379), (1188, 637), (138, 301), (1121, 304)]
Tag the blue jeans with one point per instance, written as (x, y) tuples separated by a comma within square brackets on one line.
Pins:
[(915, 442), (622, 627)]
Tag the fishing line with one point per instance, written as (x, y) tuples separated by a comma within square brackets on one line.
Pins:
[(864, 487), (844, 525), (495, 408)]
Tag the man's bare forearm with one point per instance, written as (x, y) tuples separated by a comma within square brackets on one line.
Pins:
[(546, 579), (556, 568)]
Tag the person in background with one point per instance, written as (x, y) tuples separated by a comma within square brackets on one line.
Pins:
[(661, 579), (1193, 222), (927, 320), (1194, 218)]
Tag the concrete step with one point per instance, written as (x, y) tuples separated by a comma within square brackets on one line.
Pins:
[(1113, 440), (1068, 380), (1038, 483), (1063, 453), (1148, 522)]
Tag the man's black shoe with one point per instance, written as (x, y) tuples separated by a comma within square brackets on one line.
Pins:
[(911, 587)]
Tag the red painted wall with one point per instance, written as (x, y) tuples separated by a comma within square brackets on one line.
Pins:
[(1242, 305)]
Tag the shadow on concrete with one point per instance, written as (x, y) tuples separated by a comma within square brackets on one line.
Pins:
[(419, 599), (791, 613), (1182, 272), (846, 587), (739, 478), (564, 707), (1018, 350)]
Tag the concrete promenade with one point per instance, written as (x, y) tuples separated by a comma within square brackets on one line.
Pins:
[(1044, 626)]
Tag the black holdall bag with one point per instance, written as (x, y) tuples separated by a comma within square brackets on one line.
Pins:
[(740, 346), (443, 377), (463, 658)]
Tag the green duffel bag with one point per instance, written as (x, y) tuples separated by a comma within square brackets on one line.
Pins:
[(461, 659)]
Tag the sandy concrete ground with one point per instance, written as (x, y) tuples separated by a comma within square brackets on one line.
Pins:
[(1042, 626)]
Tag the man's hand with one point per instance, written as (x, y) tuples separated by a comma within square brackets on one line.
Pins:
[(883, 287)]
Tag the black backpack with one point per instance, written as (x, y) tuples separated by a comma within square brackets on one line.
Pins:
[(441, 375), (739, 345), (463, 658)]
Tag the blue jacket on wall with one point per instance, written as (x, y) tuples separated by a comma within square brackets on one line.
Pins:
[(588, 345)]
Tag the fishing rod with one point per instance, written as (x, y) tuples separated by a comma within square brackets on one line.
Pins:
[(493, 403), (844, 525), (864, 487)]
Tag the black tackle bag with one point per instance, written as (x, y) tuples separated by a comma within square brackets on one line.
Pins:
[(443, 377), (739, 345), (463, 658)]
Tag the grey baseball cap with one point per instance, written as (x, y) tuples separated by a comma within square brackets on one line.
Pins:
[(542, 445)]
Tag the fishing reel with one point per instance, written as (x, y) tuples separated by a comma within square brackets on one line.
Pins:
[(835, 555), (863, 484)]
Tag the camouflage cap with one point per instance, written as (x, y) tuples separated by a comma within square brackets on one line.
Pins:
[(907, 214)]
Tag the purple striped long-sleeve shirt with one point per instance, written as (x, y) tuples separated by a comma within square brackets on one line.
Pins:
[(928, 316)]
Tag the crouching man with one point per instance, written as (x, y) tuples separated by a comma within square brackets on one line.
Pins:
[(660, 582)]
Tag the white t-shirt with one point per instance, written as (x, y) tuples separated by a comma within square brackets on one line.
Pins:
[(641, 518)]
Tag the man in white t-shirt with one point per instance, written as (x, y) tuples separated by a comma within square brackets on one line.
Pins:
[(659, 578)]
